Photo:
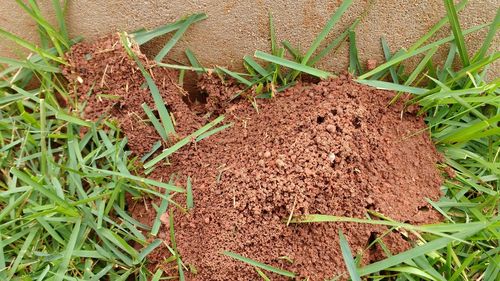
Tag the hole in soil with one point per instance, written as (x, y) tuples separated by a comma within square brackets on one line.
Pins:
[(320, 119), (356, 122), (370, 206), (371, 239), (423, 208), (334, 111)]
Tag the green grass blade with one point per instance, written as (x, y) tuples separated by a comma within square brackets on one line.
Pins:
[(333, 45), (60, 19), (328, 27), (347, 255), (159, 103), (272, 34), (259, 264), (236, 76), (182, 142), (293, 51), (189, 194), (435, 28), (66, 207), (143, 37), (163, 185), (392, 86), (457, 31), (156, 123), (161, 210), (388, 56), (194, 61), (354, 65), (212, 132), (178, 34), (24, 248), (257, 67), (29, 46), (489, 38), (70, 247), (292, 65), (148, 249)]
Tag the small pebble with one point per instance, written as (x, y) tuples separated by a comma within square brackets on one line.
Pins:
[(371, 64), (280, 163), (164, 218), (331, 157), (331, 128), (267, 154)]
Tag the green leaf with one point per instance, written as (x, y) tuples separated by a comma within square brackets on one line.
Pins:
[(259, 264), (142, 37), (178, 34), (457, 31), (182, 142), (392, 86), (68, 253), (292, 65), (347, 255), (328, 27), (159, 212), (155, 93)]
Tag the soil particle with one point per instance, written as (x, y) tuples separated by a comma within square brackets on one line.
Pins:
[(329, 148), (371, 64)]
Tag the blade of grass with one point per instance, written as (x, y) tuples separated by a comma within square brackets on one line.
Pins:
[(259, 264), (457, 31), (489, 38), (159, 103), (178, 34), (182, 142), (156, 123), (189, 194), (70, 247), (60, 19), (161, 210), (212, 132), (236, 76), (29, 46), (194, 61), (143, 37), (354, 65), (334, 44), (347, 255), (292, 65), (392, 86), (328, 27)]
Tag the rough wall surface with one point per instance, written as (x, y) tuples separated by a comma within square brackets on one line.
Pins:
[(237, 28)]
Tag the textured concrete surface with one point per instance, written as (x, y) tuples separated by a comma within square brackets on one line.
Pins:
[(235, 28)]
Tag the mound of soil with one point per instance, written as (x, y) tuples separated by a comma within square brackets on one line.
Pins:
[(329, 148)]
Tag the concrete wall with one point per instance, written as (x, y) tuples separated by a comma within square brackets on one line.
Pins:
[(235, 28)]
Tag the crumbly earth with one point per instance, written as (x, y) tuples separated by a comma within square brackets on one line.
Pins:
[(334, 148)]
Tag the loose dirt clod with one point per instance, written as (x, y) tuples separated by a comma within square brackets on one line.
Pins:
[(329, 148)]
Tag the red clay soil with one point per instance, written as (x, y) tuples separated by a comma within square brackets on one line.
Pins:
[(329, 148)]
